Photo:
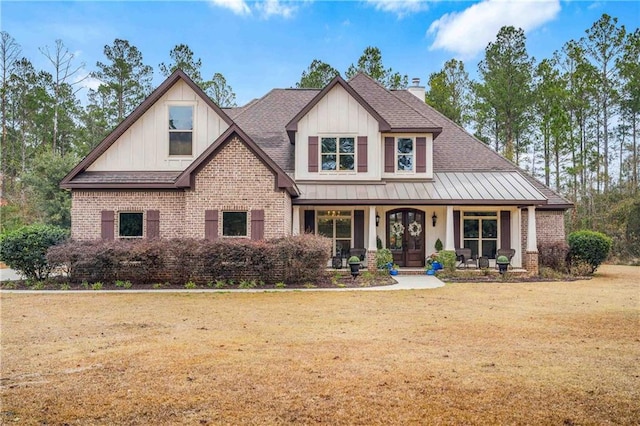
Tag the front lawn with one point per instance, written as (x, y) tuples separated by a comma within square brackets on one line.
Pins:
[(500, 353)]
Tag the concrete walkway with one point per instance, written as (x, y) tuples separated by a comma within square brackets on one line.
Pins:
[(405, 282)]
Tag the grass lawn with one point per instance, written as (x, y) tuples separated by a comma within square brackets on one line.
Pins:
[(535, 353)]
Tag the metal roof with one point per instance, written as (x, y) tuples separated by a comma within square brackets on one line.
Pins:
[(488, 188)]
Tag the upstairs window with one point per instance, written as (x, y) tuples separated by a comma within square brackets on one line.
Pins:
[(180, 130), (338, 154), (405, 153)]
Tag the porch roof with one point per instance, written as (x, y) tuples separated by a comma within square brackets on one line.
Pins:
[(464, 188)]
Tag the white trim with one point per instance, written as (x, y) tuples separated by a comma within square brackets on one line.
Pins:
[(166, 131)]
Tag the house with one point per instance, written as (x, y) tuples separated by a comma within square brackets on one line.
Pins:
[(360, 164)]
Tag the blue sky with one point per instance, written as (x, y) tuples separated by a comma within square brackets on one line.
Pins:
[(259, 45)]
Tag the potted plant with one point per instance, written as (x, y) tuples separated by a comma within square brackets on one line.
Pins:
[(433, 263), (354, 264), (503, 264), (394, 269), (384, 259), (438, 246)]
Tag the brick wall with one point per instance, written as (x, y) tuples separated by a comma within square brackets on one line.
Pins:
[(234, 180), (549, 227)]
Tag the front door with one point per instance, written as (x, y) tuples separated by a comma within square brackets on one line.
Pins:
[(405, 237)]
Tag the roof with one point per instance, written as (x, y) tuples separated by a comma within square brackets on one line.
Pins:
[(477, 188)]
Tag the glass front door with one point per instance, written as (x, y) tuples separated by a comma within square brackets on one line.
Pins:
[(405, 237)]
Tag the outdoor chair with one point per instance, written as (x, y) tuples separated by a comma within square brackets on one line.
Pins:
[(509, 253), (360, 252), (464, 257)]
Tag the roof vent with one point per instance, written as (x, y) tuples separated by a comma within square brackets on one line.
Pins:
[(416, 81)]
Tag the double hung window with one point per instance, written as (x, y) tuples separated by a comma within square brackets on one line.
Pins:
[(405, 154), (338, 154), (180, 130)]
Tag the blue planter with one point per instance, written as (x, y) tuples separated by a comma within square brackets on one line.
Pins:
[(437, 266), (393, 271), (431, 272)]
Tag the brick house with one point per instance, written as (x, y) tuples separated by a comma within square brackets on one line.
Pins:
[(360, 164)]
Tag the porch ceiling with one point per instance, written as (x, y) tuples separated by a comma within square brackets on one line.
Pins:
[(482, 188)]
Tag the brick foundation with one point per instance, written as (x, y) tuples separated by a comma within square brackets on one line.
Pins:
[(371, 260), (531, 262)]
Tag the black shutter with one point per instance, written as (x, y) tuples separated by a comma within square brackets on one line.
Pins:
[(310, 221), (456, 228), (358, 229), (505, 229)]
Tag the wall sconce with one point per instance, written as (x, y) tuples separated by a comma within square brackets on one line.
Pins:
[(377, 219), (434, 218)]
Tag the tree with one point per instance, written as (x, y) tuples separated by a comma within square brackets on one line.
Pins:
[(629, 66), (9, 53), (182, 57), (371, 64), (317, 76), (220, 92), (449, 91), (506, 88), (126, 80), (63, 73), (604, 44)]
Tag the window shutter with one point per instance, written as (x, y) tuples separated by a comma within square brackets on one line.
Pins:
[(358, 229), (153, 224), (257, 224), (211, 225), (310, 221), (389, 157), (505, 229), (456, 228), (421, 155), (107, 222), (362, 154), (313, 153)]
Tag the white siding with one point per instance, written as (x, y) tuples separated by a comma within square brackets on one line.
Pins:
[(338, 114), (145, 145)]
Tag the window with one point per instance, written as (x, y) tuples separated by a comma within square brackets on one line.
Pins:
[(180, 130), (338, 154), (130, 225), (336, 224), (480, 233), (404, 154), (234, 224)]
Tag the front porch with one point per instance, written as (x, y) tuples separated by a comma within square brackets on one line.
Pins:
[(412, 233)]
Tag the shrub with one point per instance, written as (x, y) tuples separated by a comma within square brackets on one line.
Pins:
[(554, 256), (447, 258), (25, 249), (438, 246), (589, 247), (383, 258)]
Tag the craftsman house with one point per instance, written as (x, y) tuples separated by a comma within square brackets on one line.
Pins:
[(355, 162)]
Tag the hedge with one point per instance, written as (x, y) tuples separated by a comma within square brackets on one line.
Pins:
[(590, 247), (293, 260)]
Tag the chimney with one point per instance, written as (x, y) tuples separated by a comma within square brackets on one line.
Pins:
[(416, 89)]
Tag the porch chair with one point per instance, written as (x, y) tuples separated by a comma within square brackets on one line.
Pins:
[(509, 253), (360, 252), (464, 257)]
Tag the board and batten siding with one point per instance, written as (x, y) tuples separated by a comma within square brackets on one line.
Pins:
[(145, 145), (338, 114)]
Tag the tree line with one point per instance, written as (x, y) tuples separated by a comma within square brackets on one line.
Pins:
[(570, 119)]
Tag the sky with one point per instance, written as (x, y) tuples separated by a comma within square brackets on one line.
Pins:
[(260, 45)]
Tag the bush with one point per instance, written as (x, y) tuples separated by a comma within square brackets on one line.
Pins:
[(447, 258), (383, 258), (589, 247), (25, 249), (554, 256)]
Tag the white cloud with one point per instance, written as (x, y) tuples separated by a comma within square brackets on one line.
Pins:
[(468, 32), (239, 7), (400, 7), (275, 8)]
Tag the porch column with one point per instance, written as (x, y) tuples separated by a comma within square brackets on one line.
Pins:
[(449, 243), (531, 256), (372, 246), (295, 226)]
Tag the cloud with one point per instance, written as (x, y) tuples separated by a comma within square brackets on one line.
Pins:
[(400, 7), (275, 8), (468, 32), (239, 7)]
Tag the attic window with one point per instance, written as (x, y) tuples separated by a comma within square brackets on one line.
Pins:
[(180, 130), (404, 154)]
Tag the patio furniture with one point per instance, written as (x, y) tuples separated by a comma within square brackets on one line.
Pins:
[(465, 258), (483, 262), (360, 252), (509, 253)]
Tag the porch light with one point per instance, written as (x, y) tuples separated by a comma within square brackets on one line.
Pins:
[(434, 218), (377, 219)]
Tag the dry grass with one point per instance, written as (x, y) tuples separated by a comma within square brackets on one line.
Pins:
[(540, 353)]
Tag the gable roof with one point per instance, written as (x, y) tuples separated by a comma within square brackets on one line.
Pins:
[(100, 149), (186, 179), (383, 125)]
